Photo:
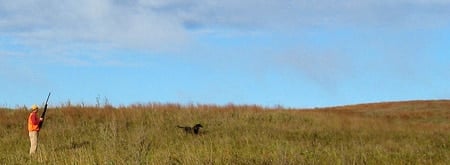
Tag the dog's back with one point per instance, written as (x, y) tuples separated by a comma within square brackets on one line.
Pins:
[(186, 129)]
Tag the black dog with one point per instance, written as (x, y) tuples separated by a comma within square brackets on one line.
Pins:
[(195, 129)]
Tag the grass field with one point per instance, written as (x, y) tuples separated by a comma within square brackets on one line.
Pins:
[(416, 132)]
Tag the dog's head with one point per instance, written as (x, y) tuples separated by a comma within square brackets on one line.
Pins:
[(198, 126)]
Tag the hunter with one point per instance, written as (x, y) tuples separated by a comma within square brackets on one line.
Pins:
[(33, 128)]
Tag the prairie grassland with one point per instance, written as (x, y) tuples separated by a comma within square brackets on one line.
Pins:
[(383, 133)]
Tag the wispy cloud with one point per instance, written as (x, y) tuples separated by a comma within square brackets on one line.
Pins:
[(155, 24), (295, 14), (60, 27), (92, 22), (327, 68)]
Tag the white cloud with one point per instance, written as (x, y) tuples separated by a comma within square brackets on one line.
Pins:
[(295, 14), (68, 22), (164, 24)]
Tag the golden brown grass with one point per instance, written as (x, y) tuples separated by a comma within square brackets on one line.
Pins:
[(384, 133)]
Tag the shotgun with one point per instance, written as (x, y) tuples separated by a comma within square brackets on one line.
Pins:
[(45, 110)]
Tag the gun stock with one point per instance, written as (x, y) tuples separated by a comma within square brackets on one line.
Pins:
[(45, 110)]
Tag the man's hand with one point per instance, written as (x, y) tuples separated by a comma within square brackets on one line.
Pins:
[(41, 119)]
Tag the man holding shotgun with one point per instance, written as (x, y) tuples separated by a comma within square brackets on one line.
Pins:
[(33, 128), (34, 125)]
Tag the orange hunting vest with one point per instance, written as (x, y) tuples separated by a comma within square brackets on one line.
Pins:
[(33, 122)]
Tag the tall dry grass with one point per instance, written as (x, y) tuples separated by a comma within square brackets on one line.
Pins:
[(397, 133)]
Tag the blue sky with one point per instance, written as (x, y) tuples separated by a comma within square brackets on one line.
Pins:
[(293, 53)]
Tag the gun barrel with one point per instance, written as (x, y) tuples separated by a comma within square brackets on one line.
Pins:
[(45, 110)]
